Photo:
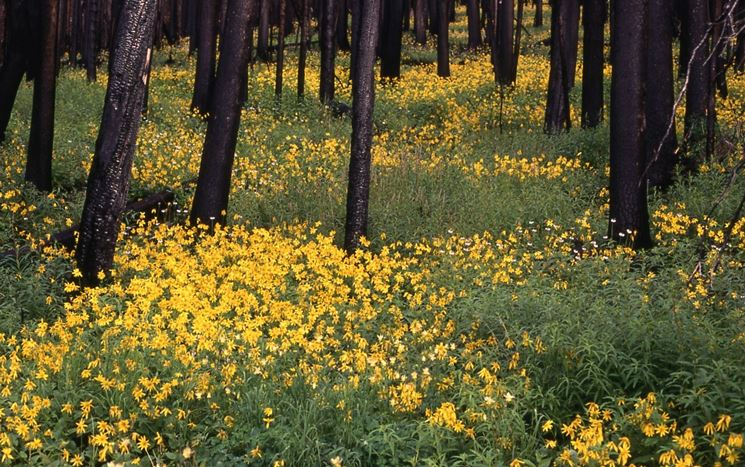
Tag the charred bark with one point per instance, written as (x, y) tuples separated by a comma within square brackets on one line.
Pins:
[(206, 56), (328, 50), (660, 116), (213, 185), (629, 219), (304, 25), (594, 17), (365, 39), (558, 109), (474, 24), (41, 136), (262, 43), (697, 73), (538, 19), (108, 182), (505, 59), (390, 56), (570, 9), (15, 63), (443, 45), (342, 24), (280, 49), (420, 26)]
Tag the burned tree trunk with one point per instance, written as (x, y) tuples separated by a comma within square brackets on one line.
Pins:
[(342, 39), (262, 44), (280, 49), (629, 219), (660, 115), (41, 136), (206, 56), (474, 24), (90, 49), (213, 185), (570, 10), (594, 17), (304, 25), (557, 101), (365, 38), (505, 59), (15, 62), (390, 56), (538, 19), (328, 50), (695, 20), (443, 46), (108, 182)]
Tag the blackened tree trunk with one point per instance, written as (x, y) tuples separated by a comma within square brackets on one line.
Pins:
[(15, 62), (390, 57), (420, 26), (90, 49), (304, 24), (365, 39), (740, 47), (206, 56), (328, 50), (538, 19), (629, 219), (210, 203), (697, 73), (262, 44), (41, 136), (557, 102), (407, 15), (715, 68), (570, 11), (280, 49), (432, 10), (505, 59), (342, 39), (474, 24), (660, 115), (518, 39), (443, 46), (594, 17), (108, 182)]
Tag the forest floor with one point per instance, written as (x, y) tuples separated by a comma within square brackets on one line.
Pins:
[(489, 321)]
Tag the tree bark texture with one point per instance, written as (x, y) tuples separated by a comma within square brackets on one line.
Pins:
[(474, 24), (538, 19), (365, 38), (108, 182), (90, 49), (15, 63), (443, 46), (593, 17), (505, 59), (262, 44), (420, 26), (558, 110), (660, 117), (629, 220), (304, 26), (213, 184), (695, 20), (41, 135), (328, 49), (390, 56), (280, 49), (204, 80)]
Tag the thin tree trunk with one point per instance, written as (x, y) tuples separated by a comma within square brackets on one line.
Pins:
[(342, 39), (262, 44), (364, 40), (41, 136), (108, 182), (206, 56), (210, 203), (518, 39), (715, 68), (390, 60), (660, 117), (538, 19), (304, 19), (740, 48), (593, 17), (328, 50), (571, 28), (280, 49), (629, 219), (443, 46)]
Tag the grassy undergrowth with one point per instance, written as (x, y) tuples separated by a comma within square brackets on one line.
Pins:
[(488, 322)]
